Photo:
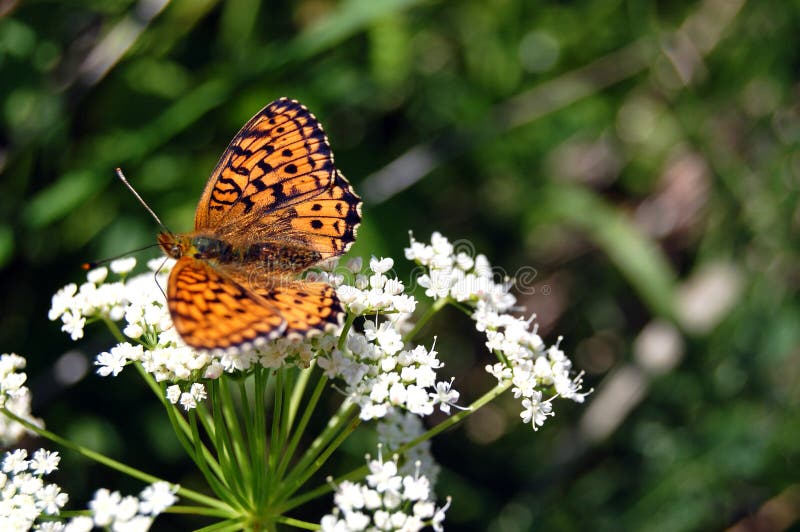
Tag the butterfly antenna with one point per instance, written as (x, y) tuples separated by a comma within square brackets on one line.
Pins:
[(96, 263), (121, 177)]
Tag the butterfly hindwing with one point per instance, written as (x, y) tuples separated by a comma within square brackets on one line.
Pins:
[(306, 306), (211, 311)]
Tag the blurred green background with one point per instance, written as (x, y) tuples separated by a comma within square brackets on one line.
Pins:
[(639, 157)]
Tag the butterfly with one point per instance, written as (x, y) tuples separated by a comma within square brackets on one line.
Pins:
[(274, 206)]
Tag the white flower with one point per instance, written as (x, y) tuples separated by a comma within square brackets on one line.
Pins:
[(198, 391), (51, 499), (24, 496), (73, 324), (98, 275), (383, 475), (113, 362), (62, 301), (381, 265), (44, 462), (157, 497), (445, 396), (536, 411), (416, 488), (388, 501), (173, 393), (104, 506), (188, 401), (15, 461), (81, 523), (123, 266)]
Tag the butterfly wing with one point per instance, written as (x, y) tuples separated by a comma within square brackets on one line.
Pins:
[(277, 181), (306, 306), (211, 311)]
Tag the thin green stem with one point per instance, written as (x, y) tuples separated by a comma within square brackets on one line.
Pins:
[(186, 441), (195, 510), (111, 463), (223, 491), (342, 424), (228, 425), (363, 470), (288, 389), (277, 409), (297, 523), (115, 332), (260, 435), (299, 388), (323, 457), (345, 330), (232, 525), (219, 434), (301, 427), (456, 418), (431, 312)]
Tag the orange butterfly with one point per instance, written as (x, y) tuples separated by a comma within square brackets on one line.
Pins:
[(274, 206)]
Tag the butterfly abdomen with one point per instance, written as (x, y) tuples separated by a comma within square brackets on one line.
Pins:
[(282, 257), (270, 256)]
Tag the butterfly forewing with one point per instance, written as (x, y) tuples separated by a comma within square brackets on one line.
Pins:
[(280, 157)]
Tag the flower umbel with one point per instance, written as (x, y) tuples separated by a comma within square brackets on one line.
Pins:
[(387, 501), (220, 401)]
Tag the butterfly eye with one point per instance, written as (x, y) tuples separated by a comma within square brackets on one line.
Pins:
[(176, 250)]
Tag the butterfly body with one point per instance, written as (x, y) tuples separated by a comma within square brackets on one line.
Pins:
[(274, 206)]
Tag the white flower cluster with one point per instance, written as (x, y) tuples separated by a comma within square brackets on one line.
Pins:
[(111, 510), (379, 370), (399, 428), (388, 501), (188, 400), (458, 274), (372, 291), (380, 375), (526, 362), (95, 298), (24, 496), (15, 397)]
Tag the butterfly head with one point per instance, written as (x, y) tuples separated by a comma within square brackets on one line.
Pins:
[(175, 246)]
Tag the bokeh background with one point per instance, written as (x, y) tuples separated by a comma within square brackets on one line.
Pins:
[(640, 157)]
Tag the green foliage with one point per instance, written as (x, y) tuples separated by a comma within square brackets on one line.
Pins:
[(634, 153)]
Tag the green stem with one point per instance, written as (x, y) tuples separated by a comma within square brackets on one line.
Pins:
[(345, 329), (194, 510), (232, 525), (298, 390), (432, 310), (228, 425), (456, 418), (277, 409), (297, 523), (363, 470), (301, 427), (320, 460), (111, 463), (259, 430), (222, 490), (115, 332)]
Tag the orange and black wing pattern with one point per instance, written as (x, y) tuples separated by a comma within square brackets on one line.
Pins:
[(276, 199), (306, 306), (211, 311), (277, 180)]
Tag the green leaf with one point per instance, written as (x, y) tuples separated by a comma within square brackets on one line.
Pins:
[(638, 258)]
